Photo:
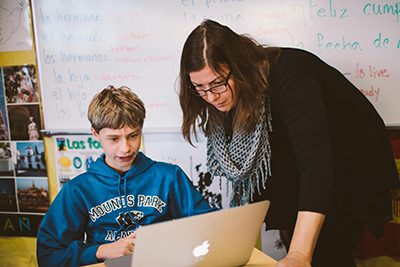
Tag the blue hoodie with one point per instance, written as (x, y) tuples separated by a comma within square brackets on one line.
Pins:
[(108, 206)]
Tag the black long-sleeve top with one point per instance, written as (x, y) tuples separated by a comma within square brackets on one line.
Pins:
[(330, 150)]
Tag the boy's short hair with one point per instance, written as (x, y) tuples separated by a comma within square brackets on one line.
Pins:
[(116, 107)]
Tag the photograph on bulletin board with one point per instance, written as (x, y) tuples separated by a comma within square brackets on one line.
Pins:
[(8, 199), (20, 84), (25, 122), (6, 160), (33, 194), (29, 158)]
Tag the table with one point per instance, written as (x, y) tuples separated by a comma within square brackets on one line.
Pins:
[(260, 259), (257, 259)]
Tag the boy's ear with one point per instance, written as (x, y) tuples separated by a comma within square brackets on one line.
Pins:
[(95, 134)]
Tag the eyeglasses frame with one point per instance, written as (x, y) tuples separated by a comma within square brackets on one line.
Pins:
[(225, 84)]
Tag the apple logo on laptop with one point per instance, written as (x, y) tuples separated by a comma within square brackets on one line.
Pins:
[(201, 250)]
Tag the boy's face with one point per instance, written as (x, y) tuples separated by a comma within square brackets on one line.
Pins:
[(120, 146)]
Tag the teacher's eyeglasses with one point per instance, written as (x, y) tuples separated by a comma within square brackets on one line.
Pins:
[(216, 89)]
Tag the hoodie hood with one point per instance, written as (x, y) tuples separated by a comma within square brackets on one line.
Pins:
[(106, 173)]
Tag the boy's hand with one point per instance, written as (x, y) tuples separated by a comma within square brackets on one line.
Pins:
[(122, 247)]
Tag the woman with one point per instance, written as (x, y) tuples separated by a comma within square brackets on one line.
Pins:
[(283, 125)]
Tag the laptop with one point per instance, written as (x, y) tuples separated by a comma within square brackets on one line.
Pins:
[(221, 238)]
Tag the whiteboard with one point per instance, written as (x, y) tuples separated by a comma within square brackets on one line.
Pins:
[(83, 46)]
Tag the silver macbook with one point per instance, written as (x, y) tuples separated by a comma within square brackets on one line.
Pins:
[(221, 238)]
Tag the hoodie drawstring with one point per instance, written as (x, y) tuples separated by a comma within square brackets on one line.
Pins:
[(120, 199), (130, 215), (125, 209)]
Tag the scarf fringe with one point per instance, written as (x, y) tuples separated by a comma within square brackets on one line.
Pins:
[(244, 188)]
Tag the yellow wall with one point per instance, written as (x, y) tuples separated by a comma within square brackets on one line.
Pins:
[(17, 58)]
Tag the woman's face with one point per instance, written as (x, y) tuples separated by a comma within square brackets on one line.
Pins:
[(206, 78)]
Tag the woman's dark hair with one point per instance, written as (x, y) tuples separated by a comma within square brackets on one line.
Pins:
[(218, 46)]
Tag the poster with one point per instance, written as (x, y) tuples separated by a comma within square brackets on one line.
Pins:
[(15, 33), (74, 154)]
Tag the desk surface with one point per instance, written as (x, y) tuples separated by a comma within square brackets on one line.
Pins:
[(257, 259)]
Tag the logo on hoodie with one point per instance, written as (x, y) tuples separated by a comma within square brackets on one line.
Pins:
[(118, 203), (130, 218)]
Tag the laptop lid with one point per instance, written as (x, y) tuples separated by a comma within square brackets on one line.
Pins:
[(221, 238)]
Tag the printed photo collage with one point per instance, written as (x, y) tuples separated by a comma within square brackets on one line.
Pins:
[(23, 176)]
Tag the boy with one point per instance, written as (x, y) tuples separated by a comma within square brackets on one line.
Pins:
[(121, 190)]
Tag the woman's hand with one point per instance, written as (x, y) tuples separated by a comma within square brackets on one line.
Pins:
[(294, 259), (122, 247), (305, 236)]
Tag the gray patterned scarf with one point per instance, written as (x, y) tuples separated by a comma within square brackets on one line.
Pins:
[(245, 161)]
